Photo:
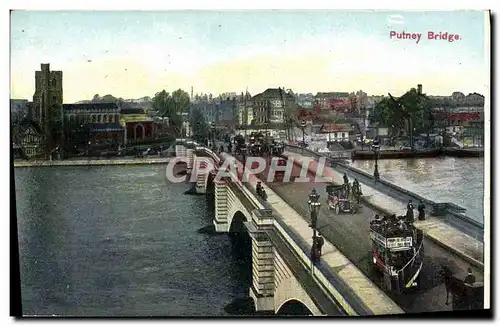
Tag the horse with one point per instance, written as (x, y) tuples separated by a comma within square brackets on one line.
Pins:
[(454, 286), (356, 190)]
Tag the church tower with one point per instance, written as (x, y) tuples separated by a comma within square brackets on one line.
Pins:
[(47, 104)]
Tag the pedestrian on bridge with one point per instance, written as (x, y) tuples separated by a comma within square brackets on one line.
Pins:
[(259, 188), (421, 211), (315, 253), (320, 243), (409, 212), (263, 194), (346, 179), (470, 278)]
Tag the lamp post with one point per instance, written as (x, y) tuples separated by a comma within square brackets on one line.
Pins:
[(314, 207), (212, 126), (303, 125), (376, 150)]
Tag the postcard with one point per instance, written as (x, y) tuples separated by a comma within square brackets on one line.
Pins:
[(250, 163)]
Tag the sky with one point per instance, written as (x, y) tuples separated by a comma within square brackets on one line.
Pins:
[(134, 54)]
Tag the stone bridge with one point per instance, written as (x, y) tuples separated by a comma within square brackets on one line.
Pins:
[(284, 280)]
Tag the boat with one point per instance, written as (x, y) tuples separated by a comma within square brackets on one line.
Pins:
[(464, 152)]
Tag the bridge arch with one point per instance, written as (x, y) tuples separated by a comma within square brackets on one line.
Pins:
[(214, 172), (238, 214), (209, 183), (294, 307), (241, 249), (288, 288), (236, 222)]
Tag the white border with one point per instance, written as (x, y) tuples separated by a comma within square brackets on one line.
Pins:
[(190, 4)]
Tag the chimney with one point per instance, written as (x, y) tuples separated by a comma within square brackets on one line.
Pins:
[(419, 89)]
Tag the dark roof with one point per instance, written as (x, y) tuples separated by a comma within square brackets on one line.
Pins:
[(331, 94), (26, 123), (88, 106), (327, 128), (273, 93), (99, 127), (132, 111)]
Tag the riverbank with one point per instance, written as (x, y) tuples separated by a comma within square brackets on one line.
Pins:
[(91, 162), (464, 152), (399, 154)]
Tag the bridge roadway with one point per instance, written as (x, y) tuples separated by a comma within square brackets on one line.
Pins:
[(350, 233)]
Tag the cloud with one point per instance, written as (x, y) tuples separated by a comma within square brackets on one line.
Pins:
[(395, 20)]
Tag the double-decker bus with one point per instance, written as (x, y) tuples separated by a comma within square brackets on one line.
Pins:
[(397, 252)]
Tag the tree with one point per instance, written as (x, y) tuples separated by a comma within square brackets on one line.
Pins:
[(410, 109), (180, 100), (199, 125), (164, 105)]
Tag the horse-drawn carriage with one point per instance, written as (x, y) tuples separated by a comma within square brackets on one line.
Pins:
[(239, 144), (338, 199), (277, 148), (464, 296)]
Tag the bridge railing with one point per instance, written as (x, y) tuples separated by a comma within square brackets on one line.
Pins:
[(336, 287), (451, 213), (334, 155)]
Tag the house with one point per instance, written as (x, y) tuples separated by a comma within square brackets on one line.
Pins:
[(336, 132), (272, 106), (137, 125), (31, 138)]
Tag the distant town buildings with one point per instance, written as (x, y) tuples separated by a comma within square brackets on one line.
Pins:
[(38, 126), (305, 101), (272, 106), (244, 110), (82, 113)]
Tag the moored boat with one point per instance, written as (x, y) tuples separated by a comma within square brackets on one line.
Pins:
[(396, 154)]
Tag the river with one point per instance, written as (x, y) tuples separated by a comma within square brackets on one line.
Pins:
[(444, 179), (120, 241)]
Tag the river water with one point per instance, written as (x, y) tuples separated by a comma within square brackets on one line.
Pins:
[(120, 241), (443, 179)]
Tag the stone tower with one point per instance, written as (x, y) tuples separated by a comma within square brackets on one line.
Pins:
[(47, 103)]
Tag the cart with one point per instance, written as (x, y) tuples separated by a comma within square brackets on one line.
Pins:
[(338, 199)]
